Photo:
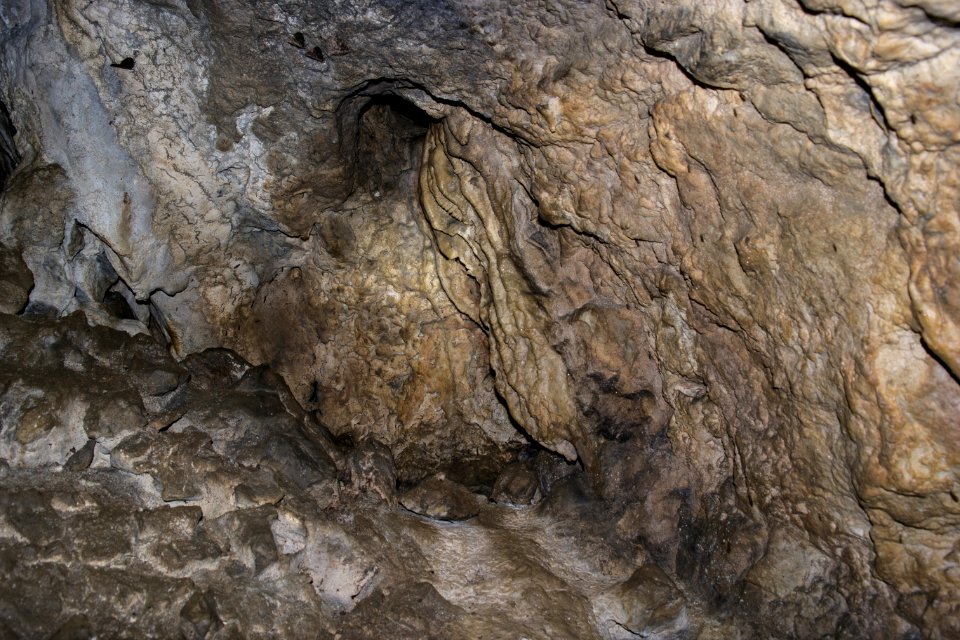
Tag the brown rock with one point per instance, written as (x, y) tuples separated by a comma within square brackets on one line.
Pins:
[(442, 499), (704, 252)]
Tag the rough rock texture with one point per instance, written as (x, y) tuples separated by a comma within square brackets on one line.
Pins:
[(708, 250), (197, 500)]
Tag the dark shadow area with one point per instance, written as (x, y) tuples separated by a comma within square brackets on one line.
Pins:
[(9, 158), (390, 139), (381, 135)]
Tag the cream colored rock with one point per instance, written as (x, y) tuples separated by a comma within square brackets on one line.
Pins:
[(706, 249)]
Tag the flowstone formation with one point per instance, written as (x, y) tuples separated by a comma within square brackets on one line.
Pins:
[(385, 318)]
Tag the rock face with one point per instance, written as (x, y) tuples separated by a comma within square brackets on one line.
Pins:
[(197, 500), (705, 251)]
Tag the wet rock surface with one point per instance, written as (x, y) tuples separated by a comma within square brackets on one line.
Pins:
[(672, 284)]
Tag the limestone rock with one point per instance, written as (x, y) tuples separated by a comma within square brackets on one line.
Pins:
[(517, 484), (442, 499), (702, 254), (647, 605), (372, 472)]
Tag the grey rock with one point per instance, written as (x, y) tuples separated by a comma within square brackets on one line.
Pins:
[(372, 472), (82, 458)]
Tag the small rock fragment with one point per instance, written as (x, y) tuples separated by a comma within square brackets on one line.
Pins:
[(114, 415), (258, 490), (442, 499), (82, 458), (36, 423), (289, 534)]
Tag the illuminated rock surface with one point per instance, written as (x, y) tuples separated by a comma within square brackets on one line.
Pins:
[(463, 320)]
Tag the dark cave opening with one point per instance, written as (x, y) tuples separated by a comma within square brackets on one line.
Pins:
[(390, 135), (381, 131)]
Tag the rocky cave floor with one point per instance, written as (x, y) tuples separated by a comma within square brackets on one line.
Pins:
[(142, 497)]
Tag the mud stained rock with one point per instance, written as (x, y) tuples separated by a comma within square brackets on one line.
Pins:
[(647, 311)]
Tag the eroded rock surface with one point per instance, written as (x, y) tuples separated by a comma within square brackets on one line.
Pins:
[(208, 507), (703, 252)]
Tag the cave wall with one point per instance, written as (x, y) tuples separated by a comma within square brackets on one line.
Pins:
[(706, 249)]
